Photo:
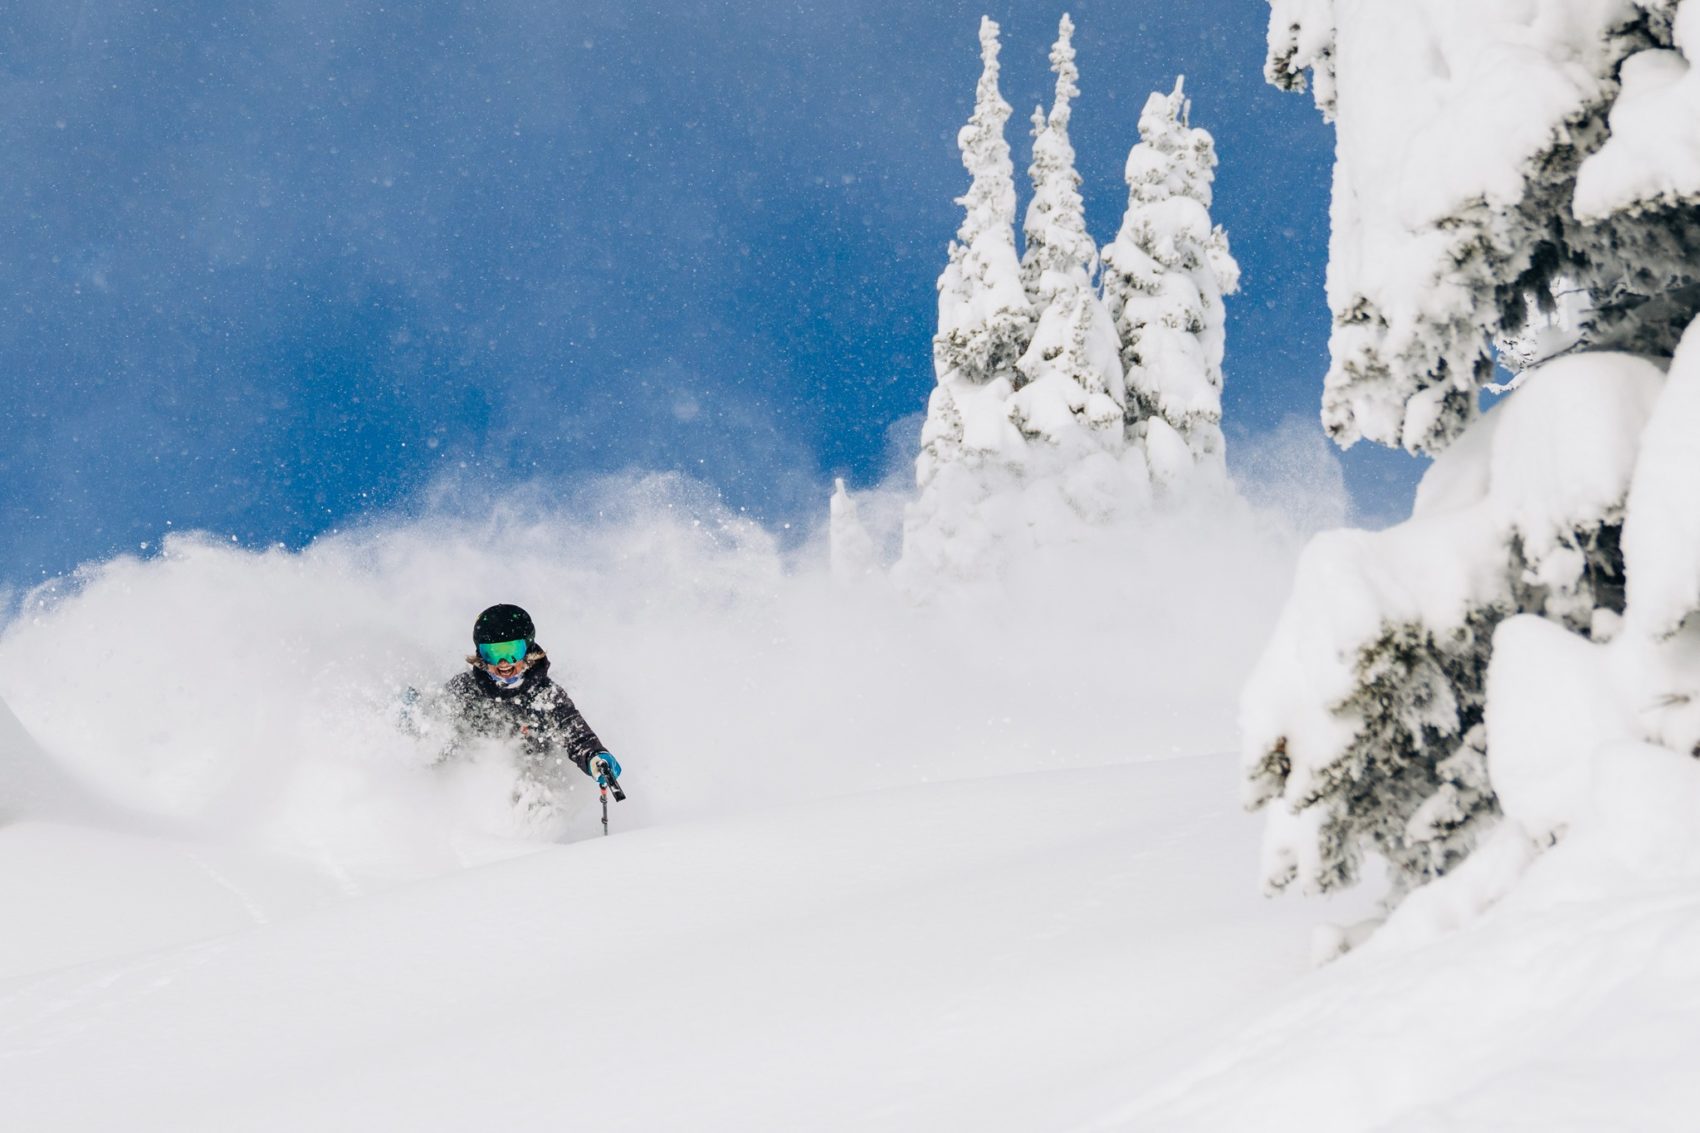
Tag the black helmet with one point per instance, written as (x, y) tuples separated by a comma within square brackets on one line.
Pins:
[(503, 623)]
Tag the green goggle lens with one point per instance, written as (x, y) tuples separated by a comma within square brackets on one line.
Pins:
[(496, 652)]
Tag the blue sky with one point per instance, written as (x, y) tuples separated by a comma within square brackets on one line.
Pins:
[(265, 268)]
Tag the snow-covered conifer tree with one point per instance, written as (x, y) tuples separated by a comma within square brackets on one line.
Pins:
[(1483, 165), (985, 318), (1033, 434), (1069, 401), (969, 447), (1164, 278), (1541, 176), (1072, 395)]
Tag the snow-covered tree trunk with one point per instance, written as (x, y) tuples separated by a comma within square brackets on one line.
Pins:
[(1164, 278), (1537, 608)]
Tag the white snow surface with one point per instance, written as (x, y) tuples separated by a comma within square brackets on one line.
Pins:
[(1553, 706), (1661, 539), (883, 866), (1653, 154), (1572, 1004), (1566, 454), (935, 957)]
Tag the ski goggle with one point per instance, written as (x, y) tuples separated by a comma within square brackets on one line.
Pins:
[(496, 652)]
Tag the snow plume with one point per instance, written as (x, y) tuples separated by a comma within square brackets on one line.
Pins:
[(31, 783), (1294, 470), (253, 695), (854, 554)]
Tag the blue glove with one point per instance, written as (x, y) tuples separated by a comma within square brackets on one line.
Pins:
[(601, 762)]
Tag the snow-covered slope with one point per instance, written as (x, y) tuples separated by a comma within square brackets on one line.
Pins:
[(961, 868), (76, 895), (879, 864), (948, 956), (1043, 951), (1574, 1004), (1075, 950)]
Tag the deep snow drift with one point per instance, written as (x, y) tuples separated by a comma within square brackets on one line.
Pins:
[(256, 693), (971, 866), (946, 956), (219, 755)]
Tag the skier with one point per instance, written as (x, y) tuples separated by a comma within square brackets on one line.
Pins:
[(507, 695)]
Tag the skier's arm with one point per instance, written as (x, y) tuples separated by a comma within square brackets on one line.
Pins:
[(573, 735), (409, 714), (442, 714)]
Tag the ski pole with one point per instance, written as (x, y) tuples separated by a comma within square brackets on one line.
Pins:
[(606, 779)]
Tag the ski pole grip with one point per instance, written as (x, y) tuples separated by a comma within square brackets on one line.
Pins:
[(600, 767)]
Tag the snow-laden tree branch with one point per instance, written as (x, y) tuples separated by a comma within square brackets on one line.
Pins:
[(1527, 175)]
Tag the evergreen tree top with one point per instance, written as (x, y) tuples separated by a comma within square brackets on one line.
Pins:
[(1058, 252), (1172, 158), (1068, 75), (990, 200), (983, 135)]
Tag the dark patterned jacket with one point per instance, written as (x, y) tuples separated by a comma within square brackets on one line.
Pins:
[(539, 714)]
